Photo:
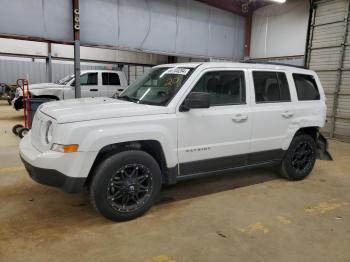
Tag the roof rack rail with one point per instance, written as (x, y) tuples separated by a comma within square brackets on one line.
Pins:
[(250, 61)]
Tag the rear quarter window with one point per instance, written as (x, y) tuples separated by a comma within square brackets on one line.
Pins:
[(306, 87)]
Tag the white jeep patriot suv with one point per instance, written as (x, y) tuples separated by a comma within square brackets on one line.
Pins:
[(178, 121)]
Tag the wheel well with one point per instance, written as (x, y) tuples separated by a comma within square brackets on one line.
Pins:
[(151, 147), (312, 131)]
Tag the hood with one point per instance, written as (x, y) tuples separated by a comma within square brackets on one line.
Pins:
[(85, 109), (44, 85)]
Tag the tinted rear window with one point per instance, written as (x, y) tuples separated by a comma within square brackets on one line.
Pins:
[(110, 79), (306, 87)]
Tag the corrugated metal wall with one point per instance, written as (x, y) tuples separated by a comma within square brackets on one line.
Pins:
[(172, 27), (280, 30), (35, 69), (13, 68), (329, 56), (136, 71)]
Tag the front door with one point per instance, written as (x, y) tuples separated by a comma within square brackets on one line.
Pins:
[(89, 85), (216, 138)]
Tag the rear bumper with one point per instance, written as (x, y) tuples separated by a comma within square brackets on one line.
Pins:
[(322, 148), (54, 178)]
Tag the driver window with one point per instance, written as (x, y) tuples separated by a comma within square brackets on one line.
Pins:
[(88, 79), (224, 87)]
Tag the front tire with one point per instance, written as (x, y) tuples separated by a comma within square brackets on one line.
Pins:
[(300, 158), (125, 185), (23, 132), (16, 128)]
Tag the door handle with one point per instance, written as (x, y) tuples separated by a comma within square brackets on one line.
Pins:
[(239, 118), (94, 89), (287, 114)]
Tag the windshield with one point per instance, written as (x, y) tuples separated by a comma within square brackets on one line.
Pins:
[(158, 86), (65, 80)]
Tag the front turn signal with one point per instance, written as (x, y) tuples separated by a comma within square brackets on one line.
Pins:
[(65, 148), (70, 148)]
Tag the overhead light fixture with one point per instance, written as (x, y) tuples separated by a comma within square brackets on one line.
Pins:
[(279, 1)]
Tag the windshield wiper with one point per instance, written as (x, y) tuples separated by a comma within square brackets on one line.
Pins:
[(128, 98)]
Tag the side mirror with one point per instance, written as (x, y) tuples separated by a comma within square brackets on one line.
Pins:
[(195, 100)]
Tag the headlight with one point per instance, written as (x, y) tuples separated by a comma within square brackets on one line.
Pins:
[(49, 132)]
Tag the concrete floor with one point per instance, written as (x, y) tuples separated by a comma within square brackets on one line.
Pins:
[(247, 216)]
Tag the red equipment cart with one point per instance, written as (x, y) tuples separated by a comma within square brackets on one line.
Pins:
[(22, 130)]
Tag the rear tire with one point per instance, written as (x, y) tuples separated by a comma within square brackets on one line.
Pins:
[(125, 185), (300, 158)]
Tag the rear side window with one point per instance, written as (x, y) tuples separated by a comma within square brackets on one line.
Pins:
[(111, 79), (224, 87), (306, 87), (270, 87)]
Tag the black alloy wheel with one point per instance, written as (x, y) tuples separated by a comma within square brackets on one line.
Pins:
[(125, 185), (300, 157), (130, 188)]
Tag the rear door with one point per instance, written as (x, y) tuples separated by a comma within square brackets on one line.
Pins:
[(110, 84), (273, 114)]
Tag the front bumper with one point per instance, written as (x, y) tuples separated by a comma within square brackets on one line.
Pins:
[(67, 171), (54, 178)]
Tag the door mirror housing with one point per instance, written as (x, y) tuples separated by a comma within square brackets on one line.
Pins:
[(195, 100)]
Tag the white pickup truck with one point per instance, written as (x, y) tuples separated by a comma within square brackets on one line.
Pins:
[(94, 83), (179, 121)]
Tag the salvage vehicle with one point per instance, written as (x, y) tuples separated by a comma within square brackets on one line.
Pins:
[(94, 83), (177, 122), (7, 92)]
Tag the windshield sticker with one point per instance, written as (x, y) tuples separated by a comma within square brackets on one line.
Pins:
[(178, 71)]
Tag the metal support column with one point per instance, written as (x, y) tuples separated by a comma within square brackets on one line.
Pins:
[(49, 63), (310, 33), (340, 70), (248, 34), (76, 30)]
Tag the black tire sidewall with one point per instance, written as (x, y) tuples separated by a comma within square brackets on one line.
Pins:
[(16, 128), (105, 171), (287, 169), (22, 131)]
